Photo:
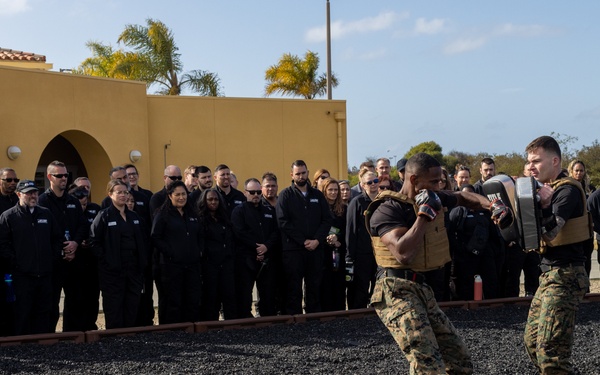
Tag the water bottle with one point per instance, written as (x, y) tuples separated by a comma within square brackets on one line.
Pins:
[(67, 237), (349, 271), (478, 288), (10, 290), (336, 259)]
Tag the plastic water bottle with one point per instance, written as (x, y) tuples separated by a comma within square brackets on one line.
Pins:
[(349, 271), (336, 259), (478, 288), (10, 289)]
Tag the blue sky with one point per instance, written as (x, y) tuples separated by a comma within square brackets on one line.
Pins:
[(471, 76)]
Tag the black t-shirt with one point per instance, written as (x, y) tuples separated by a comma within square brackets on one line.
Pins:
[(394, 214), (567, 203)]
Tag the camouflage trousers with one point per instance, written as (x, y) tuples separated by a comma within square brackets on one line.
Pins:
[(423, 332), (551, 320)]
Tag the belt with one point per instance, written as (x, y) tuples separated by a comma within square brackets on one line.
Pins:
[(546, 267), (410, 275)]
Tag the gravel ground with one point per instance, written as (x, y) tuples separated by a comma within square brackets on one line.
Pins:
[(358, 346)]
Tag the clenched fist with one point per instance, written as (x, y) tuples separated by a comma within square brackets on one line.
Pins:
[(429, 204)]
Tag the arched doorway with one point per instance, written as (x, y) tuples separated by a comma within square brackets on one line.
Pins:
[(81, 153)]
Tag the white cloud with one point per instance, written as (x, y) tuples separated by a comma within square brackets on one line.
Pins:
[(340, 29), (508, 29), (10, 7), (464, 45), (434, 26)]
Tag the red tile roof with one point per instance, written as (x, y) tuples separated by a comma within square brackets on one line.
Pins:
[(9, 54)]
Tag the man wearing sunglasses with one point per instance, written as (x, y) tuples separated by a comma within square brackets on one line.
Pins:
[(255, 228), (172, 173), (74, 228), (8, 199)]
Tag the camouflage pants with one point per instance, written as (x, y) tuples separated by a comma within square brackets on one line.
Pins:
[(423, 332), (551, 320)]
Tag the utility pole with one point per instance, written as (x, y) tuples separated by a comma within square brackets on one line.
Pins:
[(328, 54)]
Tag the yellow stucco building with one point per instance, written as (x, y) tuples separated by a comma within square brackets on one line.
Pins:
[(93, 124)]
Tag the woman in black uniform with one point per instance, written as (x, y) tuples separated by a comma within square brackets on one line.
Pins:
[(117, 240), (178, 236), (218, 263)]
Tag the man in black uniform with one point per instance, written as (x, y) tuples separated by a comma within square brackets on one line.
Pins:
[(487, 170), (30, 242), (257, 236), (74, 228), (565, 229), (8, 199), (304, 221), (232, 196)]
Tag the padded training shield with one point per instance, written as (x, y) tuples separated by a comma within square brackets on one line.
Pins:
[(503, 187), (528, 213)]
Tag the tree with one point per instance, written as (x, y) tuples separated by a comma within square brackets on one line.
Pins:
[(294, 76), (154, 59), (431, 148)]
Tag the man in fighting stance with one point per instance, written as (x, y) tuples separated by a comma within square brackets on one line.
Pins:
[(409, 238), (565, 228)]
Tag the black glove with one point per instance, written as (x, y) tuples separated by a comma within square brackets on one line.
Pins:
[(501, 214), (429, 204)]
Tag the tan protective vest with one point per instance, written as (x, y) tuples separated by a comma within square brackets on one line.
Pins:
[(434, 251), (577, 229)]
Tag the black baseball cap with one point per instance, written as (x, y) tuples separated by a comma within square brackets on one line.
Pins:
[(401, 165), (25, 186)]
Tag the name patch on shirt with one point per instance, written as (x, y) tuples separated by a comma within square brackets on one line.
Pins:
[(139, 203), (92, 211), (268, 216), (237, 203), (193, 219), (71, 205), (112, 223), (42, 221), (314, 200), (136, 221)]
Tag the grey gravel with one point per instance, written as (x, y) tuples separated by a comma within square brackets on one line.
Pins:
[(342, 346)]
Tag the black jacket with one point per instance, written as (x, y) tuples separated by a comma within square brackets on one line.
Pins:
[(302, 218), (358, 240), (105, 238), (68, 213), (30, 243), (8, 201), (233, 199), (219, 243), (253, 225), (180, 239)]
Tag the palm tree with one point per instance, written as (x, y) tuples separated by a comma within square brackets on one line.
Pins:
[(155, 60), (294, 76)]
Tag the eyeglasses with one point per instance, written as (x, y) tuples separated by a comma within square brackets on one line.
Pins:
[(254, 192), (375, 181), (61, 175), (11, 179), (384, 187), (121, 192), (132, 174), (175, 178)]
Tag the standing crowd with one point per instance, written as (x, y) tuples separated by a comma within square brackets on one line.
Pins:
[(400, 244)]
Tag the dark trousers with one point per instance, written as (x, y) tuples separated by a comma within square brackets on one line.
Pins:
[(218, 287), (361, 287), (82, 292), (7, 313), (518, 261), (33, 304), (121, 292), (333, 286), (304, 265), (145, 315), (58, 280), (183, 284), (438, 282), (467, 265), (248, 271)]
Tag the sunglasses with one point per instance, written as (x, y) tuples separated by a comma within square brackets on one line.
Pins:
[(254, 192), (384, 187), (80, 194), (175, 178), (375, 181), (11, 179), (61, 175)]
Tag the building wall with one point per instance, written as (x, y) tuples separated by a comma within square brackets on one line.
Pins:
[(105, 119)]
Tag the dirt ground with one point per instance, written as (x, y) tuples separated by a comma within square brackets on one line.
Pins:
[(594, 288)]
